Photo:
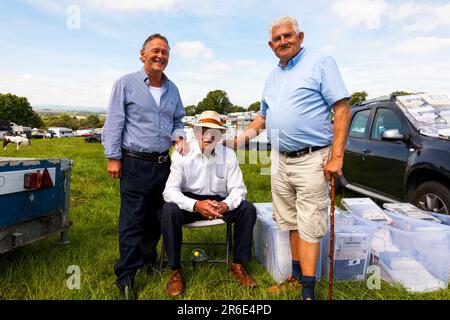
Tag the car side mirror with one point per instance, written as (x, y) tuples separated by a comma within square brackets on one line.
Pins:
[(392, 135)]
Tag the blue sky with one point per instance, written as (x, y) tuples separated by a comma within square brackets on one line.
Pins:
[(379, 45)]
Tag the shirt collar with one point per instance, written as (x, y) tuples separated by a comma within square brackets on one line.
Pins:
[(198, 152), (293, 61), (144, 77)]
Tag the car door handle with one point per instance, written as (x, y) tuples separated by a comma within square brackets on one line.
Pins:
[(366, 151)]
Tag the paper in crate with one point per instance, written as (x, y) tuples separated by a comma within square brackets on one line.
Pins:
[(352, 248), (409, 210), (366, 208), (272, 245)]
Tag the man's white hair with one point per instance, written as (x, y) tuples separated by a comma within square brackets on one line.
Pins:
[(282, 21)]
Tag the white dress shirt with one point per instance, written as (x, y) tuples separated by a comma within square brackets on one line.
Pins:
[(195, 173)]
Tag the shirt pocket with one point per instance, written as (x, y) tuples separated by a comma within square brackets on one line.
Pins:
[(219, 181)]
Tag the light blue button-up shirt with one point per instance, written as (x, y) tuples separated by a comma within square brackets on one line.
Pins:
[(135, 121), (297, 101)]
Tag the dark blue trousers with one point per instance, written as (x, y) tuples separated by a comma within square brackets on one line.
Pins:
[(172, 219), (141, 188)]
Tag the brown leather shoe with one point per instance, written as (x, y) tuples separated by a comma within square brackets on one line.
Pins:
[(242, 276), (175, 286)]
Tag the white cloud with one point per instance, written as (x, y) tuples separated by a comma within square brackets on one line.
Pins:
[(386, 74), (410, 16), (405, 11), (360, 12), (192, 50), (420, 45), (430, 17)]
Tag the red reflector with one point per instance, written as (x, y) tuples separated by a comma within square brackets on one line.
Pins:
[(46, 179), (38, 180)]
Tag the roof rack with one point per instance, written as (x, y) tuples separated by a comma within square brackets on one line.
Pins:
[(387, 98)]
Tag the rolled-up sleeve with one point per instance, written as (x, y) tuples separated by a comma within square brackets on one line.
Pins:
[(172, 193), (332, 86), (235, 184), (114, 123), (263, 108)]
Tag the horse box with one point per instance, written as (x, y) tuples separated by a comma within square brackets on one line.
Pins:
[(34, 200)]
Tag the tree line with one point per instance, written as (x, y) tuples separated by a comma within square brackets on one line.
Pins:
[(219, 101), (18, 110)]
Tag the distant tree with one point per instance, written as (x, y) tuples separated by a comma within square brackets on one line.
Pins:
[(63, 120), (400, 93), (237, 109), (357, 97), (255, 106), (216, 100), (91, 121), (190, 110), (18, 110)]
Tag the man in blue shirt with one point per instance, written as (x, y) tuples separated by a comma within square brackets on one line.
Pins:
[(307, 148), (144, 117)]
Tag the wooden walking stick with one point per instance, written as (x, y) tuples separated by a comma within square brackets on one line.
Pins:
[(331, 253)]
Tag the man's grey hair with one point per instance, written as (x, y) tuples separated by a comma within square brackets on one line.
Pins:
[(282, 21), (154, 36)]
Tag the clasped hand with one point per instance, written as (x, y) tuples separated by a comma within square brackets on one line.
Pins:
[(211, 209)]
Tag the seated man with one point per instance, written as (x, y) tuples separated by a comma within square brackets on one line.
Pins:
[(206, 184)]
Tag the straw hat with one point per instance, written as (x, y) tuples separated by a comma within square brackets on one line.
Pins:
[(210, 119)]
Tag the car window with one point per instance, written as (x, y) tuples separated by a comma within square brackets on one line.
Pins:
[(359, 124), (385, 119)]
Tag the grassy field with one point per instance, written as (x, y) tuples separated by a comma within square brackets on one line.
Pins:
[(38, 271)]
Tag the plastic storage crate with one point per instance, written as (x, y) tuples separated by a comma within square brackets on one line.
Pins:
[(272, 247), (413, 252), (353, 239)]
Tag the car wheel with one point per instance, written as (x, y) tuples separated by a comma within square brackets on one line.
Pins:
[(432, 196)]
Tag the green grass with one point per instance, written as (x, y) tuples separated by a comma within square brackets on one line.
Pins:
[(38, 271)]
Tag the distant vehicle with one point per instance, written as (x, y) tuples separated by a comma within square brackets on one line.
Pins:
[(96, 137), (5, 128), (85, 132), (37, 135), (18, 130), (61, 132), (398, 149), (50, 134)]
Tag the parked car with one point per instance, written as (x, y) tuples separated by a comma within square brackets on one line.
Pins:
[(398, 149), (96, 137)]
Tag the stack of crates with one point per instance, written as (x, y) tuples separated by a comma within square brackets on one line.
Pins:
[(412, 252)]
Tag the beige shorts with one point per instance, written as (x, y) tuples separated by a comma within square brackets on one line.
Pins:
[(300, 194)]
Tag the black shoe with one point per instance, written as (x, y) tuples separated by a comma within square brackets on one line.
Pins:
[(126, 291)]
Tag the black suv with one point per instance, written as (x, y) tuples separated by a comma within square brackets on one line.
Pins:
[(96, 137), (388, 158)]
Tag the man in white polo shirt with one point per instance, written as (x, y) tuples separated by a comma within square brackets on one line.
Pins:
[(206, 184)]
